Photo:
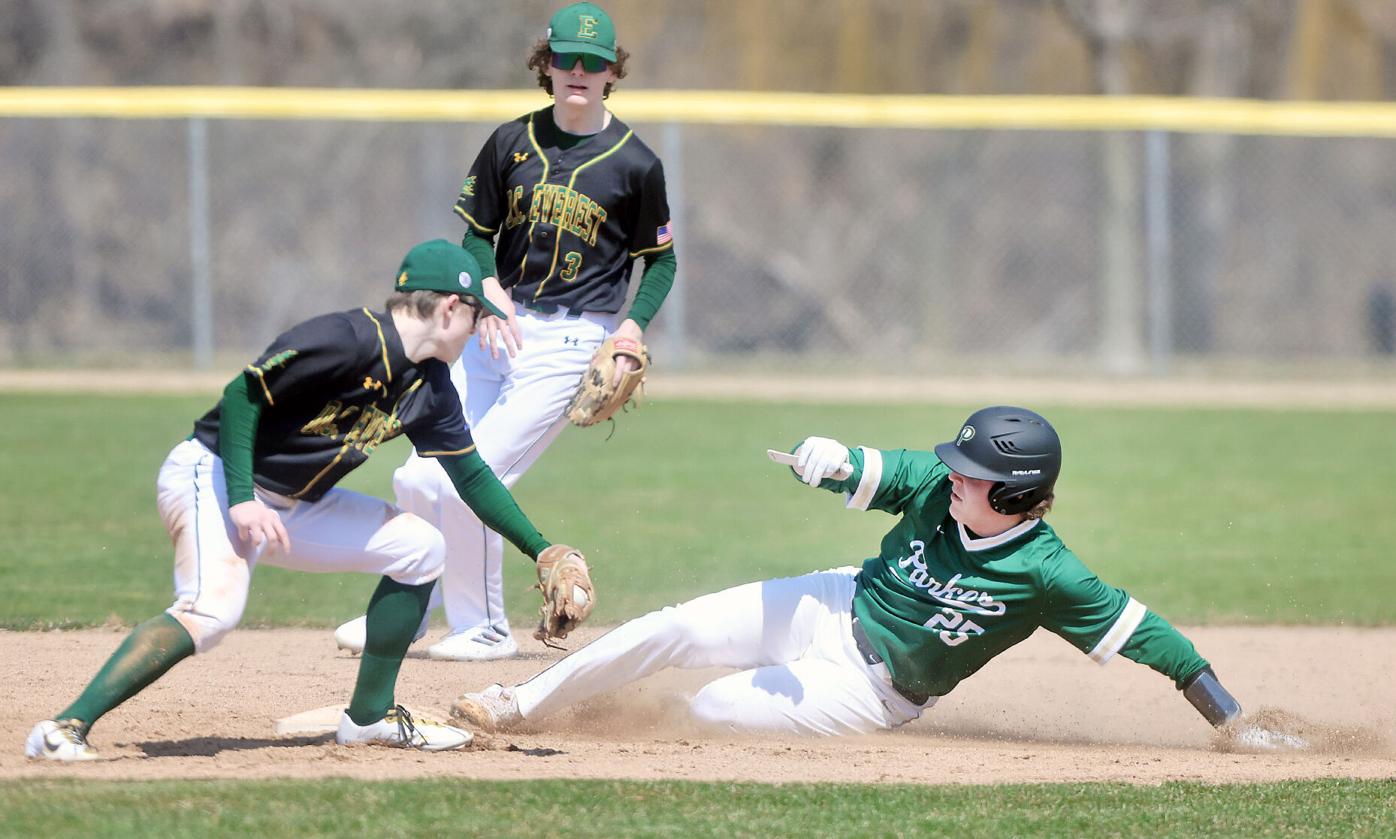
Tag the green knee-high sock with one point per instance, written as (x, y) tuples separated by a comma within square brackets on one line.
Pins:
[(148, 653), (394, 613)]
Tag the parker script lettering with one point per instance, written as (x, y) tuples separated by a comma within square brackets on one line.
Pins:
[(968, 599)]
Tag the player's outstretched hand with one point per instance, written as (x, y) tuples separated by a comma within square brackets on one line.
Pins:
[(492, 330), (818, 458), (256, 521)]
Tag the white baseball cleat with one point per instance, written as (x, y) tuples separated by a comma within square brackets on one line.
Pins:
[(350, 636), (59, 740), (398, 728), (492, 709), (480, 643)]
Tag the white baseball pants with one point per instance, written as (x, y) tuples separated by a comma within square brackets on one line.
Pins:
[(791, 640), (514, 407), (343, 531)]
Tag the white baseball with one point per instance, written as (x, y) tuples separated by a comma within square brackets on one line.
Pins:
[(579, 597)]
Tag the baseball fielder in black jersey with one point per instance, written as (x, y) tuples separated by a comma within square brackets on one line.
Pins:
[(558, 206), (570, 218), (255, 482)]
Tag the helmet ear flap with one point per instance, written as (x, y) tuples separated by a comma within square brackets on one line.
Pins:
[(1010, 500), (997, 499)]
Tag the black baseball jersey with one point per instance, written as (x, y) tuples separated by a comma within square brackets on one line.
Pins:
[(334, 388), (569, 221)]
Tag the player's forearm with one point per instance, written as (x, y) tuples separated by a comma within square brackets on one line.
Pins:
[(237, 432), (655, 283), (491, 501), (1156, 644), (483, 251)]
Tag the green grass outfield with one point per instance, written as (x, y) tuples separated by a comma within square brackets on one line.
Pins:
[(606, 808), (1207, 515)]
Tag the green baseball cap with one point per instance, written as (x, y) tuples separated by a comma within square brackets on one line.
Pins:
[(583, 27), (443, 266)]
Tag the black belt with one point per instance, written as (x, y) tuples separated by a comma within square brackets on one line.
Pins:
[(872, 659), (545, 308)]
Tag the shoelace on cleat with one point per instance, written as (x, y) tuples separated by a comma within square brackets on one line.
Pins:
[(406, 727), (70, 732)]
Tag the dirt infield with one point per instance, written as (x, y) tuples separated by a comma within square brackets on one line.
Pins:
[(1041, 713)]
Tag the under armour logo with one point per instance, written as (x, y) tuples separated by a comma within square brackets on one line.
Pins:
[(572, 341), (520, 156)]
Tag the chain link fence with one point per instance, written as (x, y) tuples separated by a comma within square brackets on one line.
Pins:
[(190, 243)]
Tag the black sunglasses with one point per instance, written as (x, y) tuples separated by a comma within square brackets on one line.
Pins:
[(590, 63)]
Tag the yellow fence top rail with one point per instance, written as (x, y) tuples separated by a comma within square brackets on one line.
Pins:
[(1053, 113)]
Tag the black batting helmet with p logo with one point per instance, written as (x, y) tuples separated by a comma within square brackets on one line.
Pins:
[(1013, 447)]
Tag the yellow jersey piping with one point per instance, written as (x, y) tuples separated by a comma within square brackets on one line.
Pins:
[(262, 380), (664, 247), (315, 480), (473, 223), (467, 450), (557, 240), (533, 141), (382, 343)]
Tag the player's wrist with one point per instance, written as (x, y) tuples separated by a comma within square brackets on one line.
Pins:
[(1214, 702)]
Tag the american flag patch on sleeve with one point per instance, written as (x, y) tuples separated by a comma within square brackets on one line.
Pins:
[(665, 234)]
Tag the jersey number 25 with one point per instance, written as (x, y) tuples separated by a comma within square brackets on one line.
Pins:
[(958, 628)]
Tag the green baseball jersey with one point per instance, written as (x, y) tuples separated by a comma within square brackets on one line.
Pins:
[(937, 602)]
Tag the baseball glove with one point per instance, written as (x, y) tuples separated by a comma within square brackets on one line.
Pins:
[(568, 596), (599, 397)]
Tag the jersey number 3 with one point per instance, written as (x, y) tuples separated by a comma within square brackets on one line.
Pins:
[(958, 628), (574, 264)]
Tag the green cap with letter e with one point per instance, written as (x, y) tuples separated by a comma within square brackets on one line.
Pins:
[(583, 27), (443, 266)]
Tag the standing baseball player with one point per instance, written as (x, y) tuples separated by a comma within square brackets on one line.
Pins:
[(255, 482), (969, 569), (558, 206)]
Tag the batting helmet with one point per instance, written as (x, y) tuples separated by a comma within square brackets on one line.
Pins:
[(1013, 447)]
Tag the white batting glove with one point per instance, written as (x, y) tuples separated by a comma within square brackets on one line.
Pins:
[(818, 458)]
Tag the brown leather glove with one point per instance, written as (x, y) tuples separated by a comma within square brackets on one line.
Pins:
[(568, 595), (599, 396)]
